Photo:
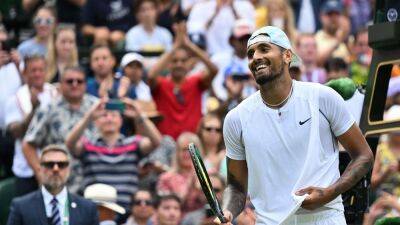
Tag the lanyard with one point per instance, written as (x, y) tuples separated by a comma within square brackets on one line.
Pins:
[(66, 213)]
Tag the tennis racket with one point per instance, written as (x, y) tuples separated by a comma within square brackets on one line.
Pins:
[(205, 182)]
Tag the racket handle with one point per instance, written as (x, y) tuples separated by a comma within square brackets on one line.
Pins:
[(222, 218)]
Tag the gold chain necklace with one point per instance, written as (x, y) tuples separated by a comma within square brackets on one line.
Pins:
[(282, 102)]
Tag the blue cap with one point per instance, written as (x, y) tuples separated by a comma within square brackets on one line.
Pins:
[(332, 6), (275, 36)]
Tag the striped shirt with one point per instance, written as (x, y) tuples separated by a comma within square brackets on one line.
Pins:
[(115, 166)]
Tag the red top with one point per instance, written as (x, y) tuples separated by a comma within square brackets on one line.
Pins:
[(181, 108)]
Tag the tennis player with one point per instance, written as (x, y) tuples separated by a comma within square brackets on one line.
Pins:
[(282, 143)]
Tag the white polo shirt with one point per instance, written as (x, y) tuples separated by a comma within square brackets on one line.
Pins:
[(288, 152), (17, 108)]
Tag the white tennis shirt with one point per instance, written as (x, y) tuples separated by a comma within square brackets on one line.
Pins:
[(288, 152)]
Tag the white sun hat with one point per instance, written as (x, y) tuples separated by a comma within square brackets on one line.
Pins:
[(104, 195)]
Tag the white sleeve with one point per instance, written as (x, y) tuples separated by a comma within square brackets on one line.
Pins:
[(12, 111), (333, 106), (233, 136)]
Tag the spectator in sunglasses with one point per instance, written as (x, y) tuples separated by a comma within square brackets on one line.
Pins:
[(19, 111), (142, 208), (53, 123), (210, 134), (53, 203), (181, 179), (205, 216), (44, 23)]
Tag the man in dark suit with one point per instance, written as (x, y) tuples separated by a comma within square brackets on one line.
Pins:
[(52, 204)]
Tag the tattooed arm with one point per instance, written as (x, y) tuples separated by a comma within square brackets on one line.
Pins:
[(235, 193), (362, 160)]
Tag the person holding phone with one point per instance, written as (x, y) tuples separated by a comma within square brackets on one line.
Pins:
[(107, 156)]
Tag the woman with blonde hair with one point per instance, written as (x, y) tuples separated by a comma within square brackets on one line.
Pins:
[(62, 52), (280, 14), (181, 180)]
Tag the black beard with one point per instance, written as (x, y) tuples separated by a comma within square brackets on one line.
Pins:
[(261, 80)]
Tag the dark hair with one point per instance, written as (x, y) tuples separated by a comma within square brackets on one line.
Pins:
[(200, 127), (73, 69), (49, 7), (140, 2), (133, 196), (359, 32), (98, 46), (163, 198), (335, 64)]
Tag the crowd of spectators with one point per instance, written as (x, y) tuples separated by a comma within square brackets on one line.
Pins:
[(125, 85)]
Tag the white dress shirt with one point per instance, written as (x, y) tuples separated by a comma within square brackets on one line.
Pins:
[(61, 203)]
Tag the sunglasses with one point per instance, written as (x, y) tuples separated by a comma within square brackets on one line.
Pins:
[(142, 202), (76, 81), (51, 164), (215, 129), (43, 21)]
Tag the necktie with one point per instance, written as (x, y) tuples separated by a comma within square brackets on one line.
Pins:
[(55, 218)]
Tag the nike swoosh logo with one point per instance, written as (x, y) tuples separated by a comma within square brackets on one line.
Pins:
[(305, 121)]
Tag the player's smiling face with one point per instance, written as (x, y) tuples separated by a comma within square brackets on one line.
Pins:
[(265, 61)]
